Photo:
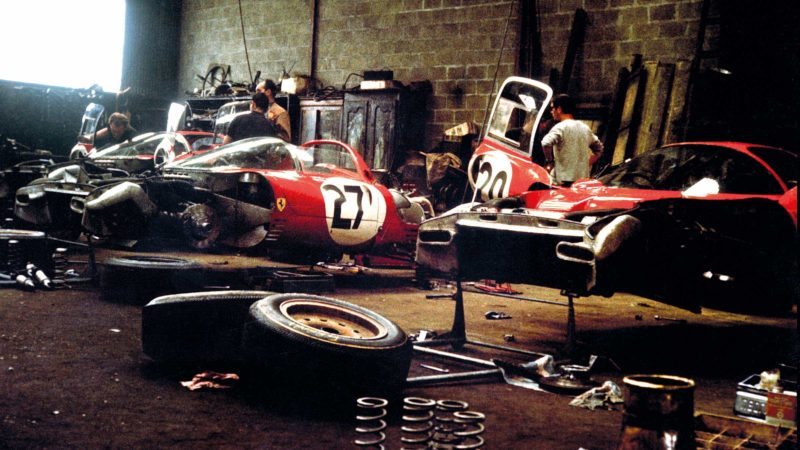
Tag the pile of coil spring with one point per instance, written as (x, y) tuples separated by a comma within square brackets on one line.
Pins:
[(427, 424)]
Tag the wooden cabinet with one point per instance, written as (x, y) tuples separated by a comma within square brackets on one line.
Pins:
[(320, 119), (380, 124), (383, 124)]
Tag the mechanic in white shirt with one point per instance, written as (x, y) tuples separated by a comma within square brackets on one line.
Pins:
[(570, 148)]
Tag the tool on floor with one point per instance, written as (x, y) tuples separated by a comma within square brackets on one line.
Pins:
[(522, 375), (669, 319)]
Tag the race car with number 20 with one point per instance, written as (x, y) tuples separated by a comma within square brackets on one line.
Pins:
[(318, 198)]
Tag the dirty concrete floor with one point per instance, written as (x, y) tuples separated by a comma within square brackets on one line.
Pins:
[(73, 374)]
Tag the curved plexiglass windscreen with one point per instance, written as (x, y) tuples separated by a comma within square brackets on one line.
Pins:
[(253, 153), (141, 145), (270, 153), (679, 168)]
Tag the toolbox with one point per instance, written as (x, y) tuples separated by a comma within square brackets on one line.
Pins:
[(304, 281), (751, 400)]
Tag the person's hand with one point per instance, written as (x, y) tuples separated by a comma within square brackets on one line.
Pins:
[(549, 166)]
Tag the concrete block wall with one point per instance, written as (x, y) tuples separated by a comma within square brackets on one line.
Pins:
[(455, 44)]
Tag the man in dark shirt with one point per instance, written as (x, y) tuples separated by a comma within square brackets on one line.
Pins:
[(118, 130), (253, 123)]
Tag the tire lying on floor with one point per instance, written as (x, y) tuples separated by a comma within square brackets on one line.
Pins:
[(327, 344), (197, 327), (137, 279)]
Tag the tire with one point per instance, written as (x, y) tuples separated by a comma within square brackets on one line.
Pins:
[(329, 344), (197, 327), (139, 279)]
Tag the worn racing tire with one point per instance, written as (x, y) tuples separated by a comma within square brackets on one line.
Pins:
[(331, 345), (197, 327), (140, 278)]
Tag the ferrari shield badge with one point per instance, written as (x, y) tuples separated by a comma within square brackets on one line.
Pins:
[(281, 204)]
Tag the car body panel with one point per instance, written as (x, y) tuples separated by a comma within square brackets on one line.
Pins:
[(710, 236), (501, 164)]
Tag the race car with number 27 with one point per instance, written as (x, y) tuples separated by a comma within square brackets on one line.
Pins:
[(320, 198)]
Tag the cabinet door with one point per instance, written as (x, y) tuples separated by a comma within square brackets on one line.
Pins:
[(381, 133), (354, 126), (321, 122)]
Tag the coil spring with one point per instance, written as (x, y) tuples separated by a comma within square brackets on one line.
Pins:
[(471, 429), (14, 261), (370, 414), (444, 432), (418, 422), (59, 259)]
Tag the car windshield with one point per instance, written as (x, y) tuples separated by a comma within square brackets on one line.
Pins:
[(677, 168), (143, 144), (253, 153), (517, 112), (321, 157), (782, 162)]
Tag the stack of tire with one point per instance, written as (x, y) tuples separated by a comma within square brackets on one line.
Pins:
[(297, 339)]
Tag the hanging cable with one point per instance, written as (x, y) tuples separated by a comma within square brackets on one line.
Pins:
[(244, 40), (497, 67)]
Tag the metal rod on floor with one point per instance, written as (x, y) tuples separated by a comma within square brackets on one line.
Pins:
[(455, 356), (461, 376), (517, 297)]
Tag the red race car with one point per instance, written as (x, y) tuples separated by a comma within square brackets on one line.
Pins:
[(311, 200), (691, 224)]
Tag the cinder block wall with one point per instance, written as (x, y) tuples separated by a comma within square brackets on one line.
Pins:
[(455, 44)]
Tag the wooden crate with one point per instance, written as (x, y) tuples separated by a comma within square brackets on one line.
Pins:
[(717, 432)]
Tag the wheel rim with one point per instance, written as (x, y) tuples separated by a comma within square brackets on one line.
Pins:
[(333, 320)]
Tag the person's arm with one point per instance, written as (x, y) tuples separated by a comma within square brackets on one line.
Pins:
[(597, 149), (227, 139), (284, 126), (548, 142)]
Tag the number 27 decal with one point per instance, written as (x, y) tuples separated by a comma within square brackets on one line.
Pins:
[(338, 221), (354, 211)]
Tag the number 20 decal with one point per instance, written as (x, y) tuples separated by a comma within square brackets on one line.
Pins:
[(493, 177), (354, 211)]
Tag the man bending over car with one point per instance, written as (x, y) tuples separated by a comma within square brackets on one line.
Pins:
[(118, 130)]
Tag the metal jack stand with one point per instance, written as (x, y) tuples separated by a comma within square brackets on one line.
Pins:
[(457, 336), (569, 346)]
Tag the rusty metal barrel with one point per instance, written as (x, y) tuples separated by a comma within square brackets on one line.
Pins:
[(659, 413)]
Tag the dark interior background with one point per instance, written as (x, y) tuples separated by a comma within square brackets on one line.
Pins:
[(756, 101)]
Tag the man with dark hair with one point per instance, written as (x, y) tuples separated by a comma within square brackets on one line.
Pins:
[(276, 114), (568, 145), (253, 123), (118, 130)]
